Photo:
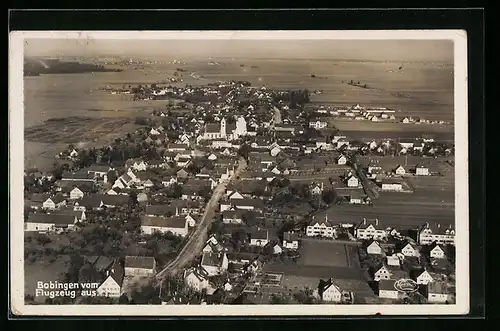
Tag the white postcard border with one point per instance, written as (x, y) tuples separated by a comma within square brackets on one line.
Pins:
[(16, 166)]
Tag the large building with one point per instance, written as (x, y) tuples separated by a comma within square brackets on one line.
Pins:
[(224, 130), (367, 229), (320, 228), (430, 233)]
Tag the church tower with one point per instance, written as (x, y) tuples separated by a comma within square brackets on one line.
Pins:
[(223, 128)]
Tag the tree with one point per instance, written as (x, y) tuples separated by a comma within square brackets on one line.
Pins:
[(329, 196)]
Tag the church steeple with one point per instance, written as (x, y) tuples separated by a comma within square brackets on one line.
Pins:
[(223, 127)]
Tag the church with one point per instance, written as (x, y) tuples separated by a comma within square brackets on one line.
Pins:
[(224, 130)]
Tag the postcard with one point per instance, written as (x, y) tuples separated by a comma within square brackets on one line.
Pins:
[(238, 173)]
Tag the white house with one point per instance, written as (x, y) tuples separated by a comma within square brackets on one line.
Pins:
[(425, 278), (112, 285), (214, 263), (318, 124), (42, 222), (410, 250), (259, 237), (329, 291), (421, 170), (382, 273), (370, 230), (374, 248), (393, 260), (212, 157), (342, 160), (400, 170), (139, 266), (54, 202), (392, 184), (290, 240), (320, 228), (177, 225), (275, 151), (352, 181), (437, 252), (76, 193), (197, 279), (387, 290)]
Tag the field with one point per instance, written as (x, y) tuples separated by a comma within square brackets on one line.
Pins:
[(323, 253), (367, 130), (45, 271), (408, 162)]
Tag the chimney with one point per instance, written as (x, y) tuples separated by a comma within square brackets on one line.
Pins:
[(364, 221), (376, 221), (176, 211)]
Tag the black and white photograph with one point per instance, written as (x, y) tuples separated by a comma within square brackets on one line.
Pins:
[(182, 173)]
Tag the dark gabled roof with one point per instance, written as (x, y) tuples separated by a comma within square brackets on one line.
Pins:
[(212, 259), (141, 262), (290, 236), (233, 214), (58, 198), (165, 222), (57, 219), (436, 228), (159, 210), (99, 168), (95, 200), (365, 223), (39, 197), (386, 285), (259, 234), (245, 202), (117, 272), (76, 175), (326, 284)]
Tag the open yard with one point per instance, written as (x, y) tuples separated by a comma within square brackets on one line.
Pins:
[(44, 270), (324, 253)]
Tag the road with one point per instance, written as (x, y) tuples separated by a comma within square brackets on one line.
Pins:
[(197, 240)]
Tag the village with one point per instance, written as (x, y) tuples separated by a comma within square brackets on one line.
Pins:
[(234, 194)]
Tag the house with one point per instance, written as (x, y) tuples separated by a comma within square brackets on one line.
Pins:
[(387, 290), (407, 143), (374, 248), (42, 222), (421, 170), (154, 132), (320, 228), (102, 200), (112, 285), (36, 201), (100, 171), (232, 216), (405, 120), (352, 181), (383, 272), (177, 225), (367, 229), (342, 160), (439, 292), (275, 151), (54, 202), (318, 124), (259, 237), (426, 277), (290, 240), (167, 181), (214, 263), (430, 233), (328, 291), (157, 164), (392, 184), (182, 174), (140, 266), (437, 252), (198, 279), (277, 249), (400, 170), (247, 204), (136, 164), (73, 153), (235, 195), (142, 197), (410, 250), (211, 247), (393, 260), (212, 157), (76, 193)]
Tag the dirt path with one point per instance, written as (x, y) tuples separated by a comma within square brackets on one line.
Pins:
[(197, 239)]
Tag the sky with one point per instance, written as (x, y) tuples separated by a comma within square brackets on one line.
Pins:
[(375, 50)]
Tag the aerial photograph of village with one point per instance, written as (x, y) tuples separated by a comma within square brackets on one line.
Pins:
[(225, 172)]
